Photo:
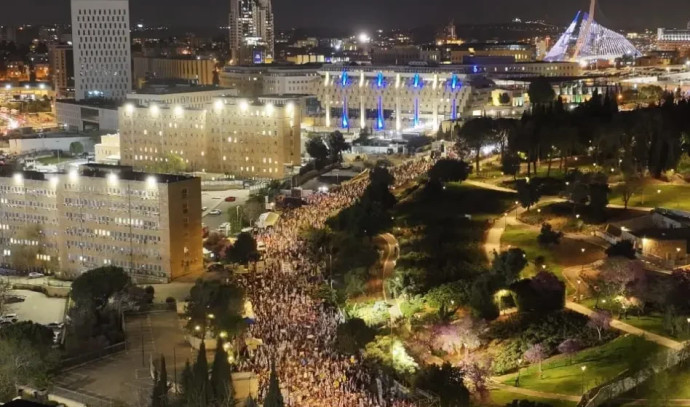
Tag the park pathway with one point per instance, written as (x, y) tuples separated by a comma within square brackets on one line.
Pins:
[(493, 242), (627, 328)]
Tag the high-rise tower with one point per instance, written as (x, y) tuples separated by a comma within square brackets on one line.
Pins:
[(102, 54), (251, 31)]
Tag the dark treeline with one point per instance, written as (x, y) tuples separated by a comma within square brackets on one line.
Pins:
[(646, 140)]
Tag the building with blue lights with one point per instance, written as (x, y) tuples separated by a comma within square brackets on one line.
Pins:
[(394, 98)]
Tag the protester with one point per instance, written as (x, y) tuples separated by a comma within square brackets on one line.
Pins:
[(298, 330)]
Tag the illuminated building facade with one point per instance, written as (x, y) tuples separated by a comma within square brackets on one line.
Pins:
[(594, 42), (101, 43), (393, 98), (234, 136), (148, 224), (673, 39), (252, 31)]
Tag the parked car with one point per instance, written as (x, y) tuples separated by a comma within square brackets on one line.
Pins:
[(55, 325), (204, 209), (9, 318), (224, 225), (230, 199), (215, 212), (36, 275)]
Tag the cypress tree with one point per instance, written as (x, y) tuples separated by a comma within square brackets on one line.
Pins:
[(221, 383), (274, 398), (201, 388)]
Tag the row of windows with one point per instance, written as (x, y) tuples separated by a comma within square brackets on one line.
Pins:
[(102, 12)]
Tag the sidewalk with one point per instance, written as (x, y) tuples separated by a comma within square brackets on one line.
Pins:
[(538, 394)]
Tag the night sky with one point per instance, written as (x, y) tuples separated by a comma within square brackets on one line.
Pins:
[(368, 14)]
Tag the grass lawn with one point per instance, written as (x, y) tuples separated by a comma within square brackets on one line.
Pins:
[(672, 385), (602, 364), (566, 254), (671, 196), (501, 397), (54, 160)]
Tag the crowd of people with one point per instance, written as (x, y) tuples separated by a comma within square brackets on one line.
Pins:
[(298, 330)]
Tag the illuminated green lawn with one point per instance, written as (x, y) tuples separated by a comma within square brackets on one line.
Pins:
[(601, 364), (669, 196)]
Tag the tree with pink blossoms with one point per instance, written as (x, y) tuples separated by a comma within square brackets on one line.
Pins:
[(600, 321), (569, 347), (536, 354)]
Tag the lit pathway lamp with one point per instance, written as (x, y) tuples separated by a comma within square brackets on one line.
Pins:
[(583, 368)]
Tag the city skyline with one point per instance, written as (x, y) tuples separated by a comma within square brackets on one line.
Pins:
[(386, 13)]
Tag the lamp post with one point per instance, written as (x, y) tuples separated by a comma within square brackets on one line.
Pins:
[(505, 219), (583, 368), (517, 379)]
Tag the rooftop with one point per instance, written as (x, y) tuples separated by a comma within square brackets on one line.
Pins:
[(92, 170), (94, 103)]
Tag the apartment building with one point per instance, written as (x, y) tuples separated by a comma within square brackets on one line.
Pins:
[(148, 224), (245, 138)]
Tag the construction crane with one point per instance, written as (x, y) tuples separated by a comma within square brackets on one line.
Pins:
[(584, 30)]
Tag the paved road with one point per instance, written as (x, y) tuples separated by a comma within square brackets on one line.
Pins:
[(126, 376), (391, 251)]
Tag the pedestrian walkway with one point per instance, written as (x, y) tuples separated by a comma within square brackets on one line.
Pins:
[(627, 328)]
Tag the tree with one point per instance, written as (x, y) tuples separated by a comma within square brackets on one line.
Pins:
[(476, 133), (24, 257), (187, 390), (99, 285), (629, 187), (510, 164), (598, 200), (170, 164), (569, 347), (481, 296), (243, 250), (336, 145), (536, 354), (27, 356), (445, 381), (528, 193), (504, 99), (600, 321), (449, 170), (76, 148), (253, 208), (622, 248), (543, 293), (274, 398), (5, 288), (622, 276), (216, 307), (160, 386), (318, 150), (250, 402), (541, 92), (353, 335), (221, 380), (509, 264), (548, 236)]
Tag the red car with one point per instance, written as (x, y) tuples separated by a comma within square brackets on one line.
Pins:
[(230, 199)]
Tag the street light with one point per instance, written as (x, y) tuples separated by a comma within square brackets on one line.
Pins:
[(583, 368), (517, 380)]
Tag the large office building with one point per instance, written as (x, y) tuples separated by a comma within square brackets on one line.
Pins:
[(517, 51), (252, 31), (186, 94), (252, 81), (673, 39), (102, 50), (148, 224), (244, 138), (61, 59), (201, 70)]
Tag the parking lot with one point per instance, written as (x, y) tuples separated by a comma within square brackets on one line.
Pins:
[(215, 200), (37, 307)]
